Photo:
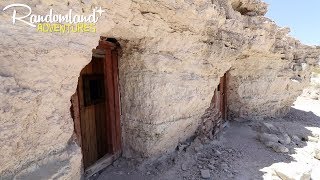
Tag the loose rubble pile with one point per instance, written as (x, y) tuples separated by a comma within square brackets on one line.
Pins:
[(282, 141), (279, 140), (202, 158), (195, 159), (198, 159)]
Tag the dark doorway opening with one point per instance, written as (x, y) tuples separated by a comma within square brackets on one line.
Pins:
[(97, 106), (219, 102)]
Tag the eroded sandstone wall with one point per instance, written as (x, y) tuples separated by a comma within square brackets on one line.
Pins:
[(173, 55)]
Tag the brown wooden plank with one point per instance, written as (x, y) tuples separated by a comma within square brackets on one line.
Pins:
[(221, 97), (223, 94), (116, 99), (97, 65), (110, 99), (101, 130), (100, 110), (108, 120), (226, 95), (87, 124), (101, 164), (92, 141)]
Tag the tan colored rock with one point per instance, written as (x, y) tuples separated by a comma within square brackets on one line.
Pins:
[(317, 152), (312, 139), (173, 55), (292, 171), (249, 7)]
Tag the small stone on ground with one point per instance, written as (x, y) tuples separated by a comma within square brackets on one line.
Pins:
[(205, 173)]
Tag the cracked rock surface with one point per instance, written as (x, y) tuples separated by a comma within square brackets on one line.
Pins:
[(173, 55)]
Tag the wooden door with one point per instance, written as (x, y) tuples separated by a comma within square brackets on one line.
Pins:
[(92, 99), (99, 109), (219, 105), (219, 99), (223, 96)]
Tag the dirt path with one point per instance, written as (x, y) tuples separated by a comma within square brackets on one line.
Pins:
[(237, 153)]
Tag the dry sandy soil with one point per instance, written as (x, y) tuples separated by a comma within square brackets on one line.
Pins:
[(239, 153)]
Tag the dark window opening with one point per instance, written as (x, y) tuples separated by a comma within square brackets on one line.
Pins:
[(94, 91)]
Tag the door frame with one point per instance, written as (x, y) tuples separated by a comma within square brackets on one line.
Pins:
[(223, 97), (109, 51)]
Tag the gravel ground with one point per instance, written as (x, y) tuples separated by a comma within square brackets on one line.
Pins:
[(238, 153)]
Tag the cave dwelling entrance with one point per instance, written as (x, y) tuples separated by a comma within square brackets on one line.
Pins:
[(218, 108), (96, 108)]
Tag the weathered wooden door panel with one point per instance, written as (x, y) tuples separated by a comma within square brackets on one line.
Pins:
[(99, 104), (110, 99), (101, 127), (116, 100), (93, 112), (89, 143), (223, 96), (219, 104)]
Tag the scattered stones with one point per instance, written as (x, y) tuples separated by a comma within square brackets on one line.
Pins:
[(205, 173), (212, 161), (224, 166), (241, 120), (120, 173), (285, 139), (230, 175), (211, 167), (182, 147), (279, 148), (268, 128), (296, 139), (184, 167), (198, 148), (203, 159), (276, 142), (218, 152), (116, 163), (269, 144), (265, 137)]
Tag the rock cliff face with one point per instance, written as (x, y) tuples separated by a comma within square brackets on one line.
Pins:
[(173, 55)]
